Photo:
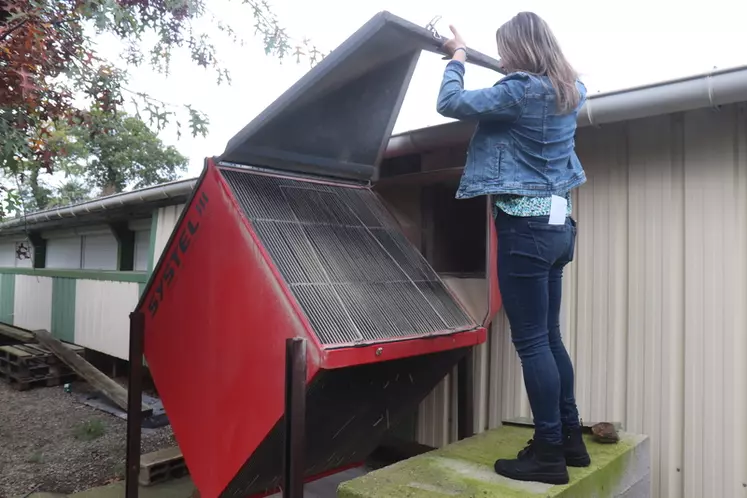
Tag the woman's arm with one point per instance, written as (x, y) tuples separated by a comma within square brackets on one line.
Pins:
[(500, 102)]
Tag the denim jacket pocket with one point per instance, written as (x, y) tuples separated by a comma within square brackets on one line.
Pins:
[(492, 171)]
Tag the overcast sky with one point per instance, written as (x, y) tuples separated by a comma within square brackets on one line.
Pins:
[(613, 45)]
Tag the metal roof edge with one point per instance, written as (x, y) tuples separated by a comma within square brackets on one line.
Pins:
[(710, 89), (670, 81), (164, 191)]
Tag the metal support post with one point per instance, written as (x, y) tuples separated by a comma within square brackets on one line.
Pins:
[(295, 418), (134, 403), (466, 396)]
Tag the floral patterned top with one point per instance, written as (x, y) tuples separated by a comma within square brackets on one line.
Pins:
[(517, 205)]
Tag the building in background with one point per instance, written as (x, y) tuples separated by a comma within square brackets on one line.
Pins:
[(78, 271), (653, 312)]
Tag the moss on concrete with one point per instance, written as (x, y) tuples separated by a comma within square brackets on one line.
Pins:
[(465, 469)]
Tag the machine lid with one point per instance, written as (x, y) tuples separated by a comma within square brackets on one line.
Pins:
[(337, 119)]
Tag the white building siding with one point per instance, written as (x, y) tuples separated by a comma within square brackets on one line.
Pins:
[(654, 306), (32, 308), (167, 218), (96, 302)]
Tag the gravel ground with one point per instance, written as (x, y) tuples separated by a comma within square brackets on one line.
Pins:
[(43, 448)]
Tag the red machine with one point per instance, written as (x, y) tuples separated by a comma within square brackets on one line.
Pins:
[(285, 236)]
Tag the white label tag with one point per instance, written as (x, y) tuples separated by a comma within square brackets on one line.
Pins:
[(558, 210)]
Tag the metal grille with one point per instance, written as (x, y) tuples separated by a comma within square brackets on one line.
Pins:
[(354, 274)]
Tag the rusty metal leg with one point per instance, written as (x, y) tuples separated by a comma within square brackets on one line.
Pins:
[(295, 418), (134, 403), (466, 397)]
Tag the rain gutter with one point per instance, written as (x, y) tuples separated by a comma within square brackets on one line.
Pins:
[(174, 191), (713, 89)]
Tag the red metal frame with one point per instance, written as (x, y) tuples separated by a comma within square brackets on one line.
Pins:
[(220, 374), (207, 367), (385, 351)]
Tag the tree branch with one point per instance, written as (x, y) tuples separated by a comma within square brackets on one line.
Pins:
[(7, 33)]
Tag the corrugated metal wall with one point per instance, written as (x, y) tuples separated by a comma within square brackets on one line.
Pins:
[(654, 306), (96, 302), (76, 310), (33, 302), (166, 221)]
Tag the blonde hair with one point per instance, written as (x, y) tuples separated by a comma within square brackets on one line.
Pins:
[(526, 43)]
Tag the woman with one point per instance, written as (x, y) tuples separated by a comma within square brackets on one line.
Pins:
[(522, 153)]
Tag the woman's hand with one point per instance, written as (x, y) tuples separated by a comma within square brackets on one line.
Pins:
[(454, 44)]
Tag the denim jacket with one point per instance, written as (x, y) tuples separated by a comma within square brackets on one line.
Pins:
[(521, 145)]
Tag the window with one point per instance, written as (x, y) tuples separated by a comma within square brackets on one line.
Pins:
[(7, 254), (95, 247), (99, 252), (88, 248), (64, 253)]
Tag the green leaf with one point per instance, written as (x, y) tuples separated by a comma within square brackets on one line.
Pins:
[(66, 66)]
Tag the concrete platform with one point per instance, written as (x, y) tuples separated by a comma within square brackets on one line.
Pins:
[(465, 469)]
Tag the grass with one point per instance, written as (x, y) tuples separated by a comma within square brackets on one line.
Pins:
[(119, 470), (36, 457), (89, 430)]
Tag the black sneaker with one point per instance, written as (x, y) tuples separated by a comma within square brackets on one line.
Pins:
[(543, 462), (574, 448), (527, 452)]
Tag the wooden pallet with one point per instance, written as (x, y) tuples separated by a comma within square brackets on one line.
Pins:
[(162, 465), (24, 354), (24, 366), (14, 334), (25, 383)]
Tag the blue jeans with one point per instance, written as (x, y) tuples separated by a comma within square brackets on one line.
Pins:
[(531, 258)]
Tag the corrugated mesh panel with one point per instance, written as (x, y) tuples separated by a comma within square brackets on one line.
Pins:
[(354, 274)]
